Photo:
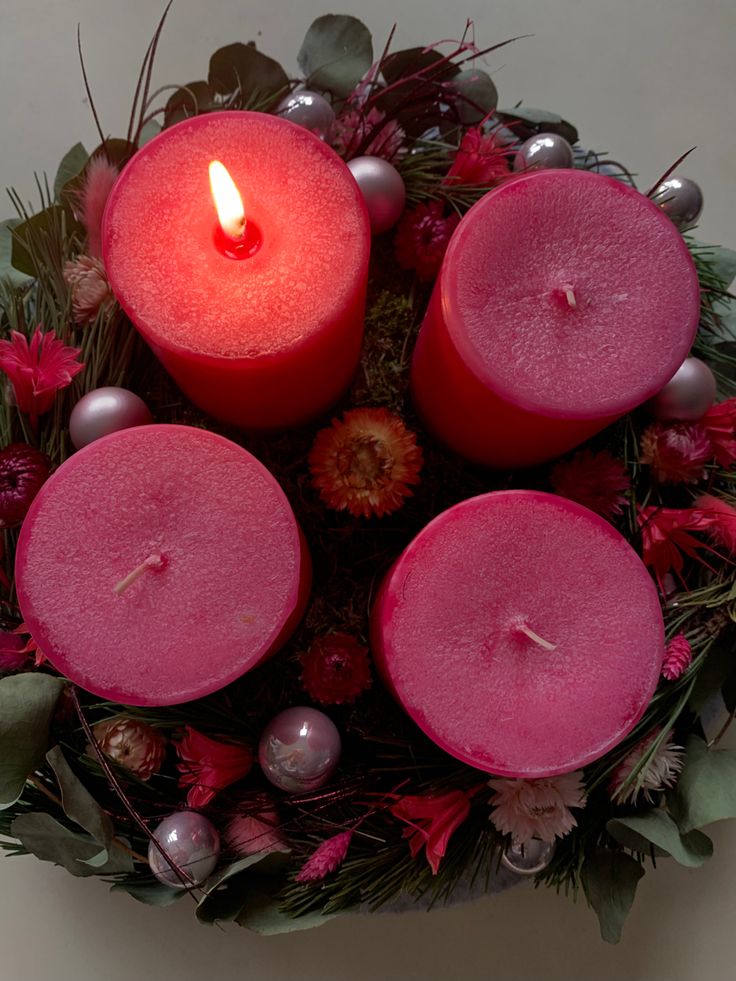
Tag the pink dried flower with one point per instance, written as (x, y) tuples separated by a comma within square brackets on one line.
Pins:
[(88, 284), (99, 179), (676, 452), (528, 809), (254, 829), (431, 820), (328, 857), (719, 423), (37, 371), (480, 159), (677, 657), (660, 772), (596, 480), (422, 238), (665, 536), (13, 653), (720, 519), (354, 126), (208, 766)]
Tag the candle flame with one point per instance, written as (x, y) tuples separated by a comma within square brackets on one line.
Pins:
[(229, 204)]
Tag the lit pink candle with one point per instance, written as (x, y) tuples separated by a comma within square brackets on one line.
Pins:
[(521, 632), (259, 321), (565, 300), (160, 563)]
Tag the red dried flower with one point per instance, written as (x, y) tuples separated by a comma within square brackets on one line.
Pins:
[(208, 766), (37, 371), (676, 452), (13, 654), (23, 471), (328, 857), (353, 126), (365, 463), (335, 669), (482, 158), (596, 480), (432, 819), (719, 423), (422, 238), (665, 534), (677, 657), (719, 518)]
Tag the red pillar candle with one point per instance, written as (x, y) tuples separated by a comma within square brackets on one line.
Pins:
[(521, 632), (262, 331), (565, 299), (160, 563)]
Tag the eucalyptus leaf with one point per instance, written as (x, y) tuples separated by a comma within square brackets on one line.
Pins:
[(539, 121), (27, 703), (190, 100), (719, 666), (610, 879), (44, 837), (150, 893), (241, 67), (7, 271), (706, 789), (723, 260), (226, 891), (409, 61), (657, 828), (150, 129), (260, 911), (335, 54), (79, 804), (72, 164)]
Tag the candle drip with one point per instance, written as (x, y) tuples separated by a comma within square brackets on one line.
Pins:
[(525, 629), (154, 562)]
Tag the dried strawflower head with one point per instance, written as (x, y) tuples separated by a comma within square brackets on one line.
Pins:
[(335, 669), (677, 453), (660, 772), (138, 747), (596, 480), (90, 290), (528, 809)]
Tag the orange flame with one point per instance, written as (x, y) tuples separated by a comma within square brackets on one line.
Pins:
[(229, 204)]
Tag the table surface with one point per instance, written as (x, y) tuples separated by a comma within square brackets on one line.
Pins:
[(642, 79)]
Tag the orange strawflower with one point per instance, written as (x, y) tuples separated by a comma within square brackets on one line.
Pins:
[(365, 463)]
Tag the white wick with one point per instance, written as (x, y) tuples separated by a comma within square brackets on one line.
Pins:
[(571, 298), (154, 561), (523, 628)]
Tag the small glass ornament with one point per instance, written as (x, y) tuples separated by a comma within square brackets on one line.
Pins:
[(383, 190), (299, 750), (310, 110), (688, 395), (104, 411), (544, 151), (528, 858), (193, 844), (681, 200)]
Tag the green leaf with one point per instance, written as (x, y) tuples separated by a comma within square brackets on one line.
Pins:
[(241, 67), (723, 260), (72, 164), (400, 64), (79, 804), (706, 789), (151, 129), (539, 121), (610, 879), (37, 225), (227, 890), (260, 911), (718, 667), (27, 703), (335, 54), (190, 100), (50, 841), (657, 828), (150, 893), (7, 271)]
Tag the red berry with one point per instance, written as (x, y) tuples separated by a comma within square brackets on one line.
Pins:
[(23, 470)]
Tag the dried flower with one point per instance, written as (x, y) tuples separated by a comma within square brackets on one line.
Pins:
[(431, 820), (665, 536), (90, 290), (328, 857), (528, 809), (596, 480), (659, 773), (99, 178), (365, 463), (254, 829), (353, 127), (13, 655), (719, 423), (208, 766), (37, 371), (422, 238), (481, 159), (23, 471), (677, 657), (676, 452), (719, 518), (335, 669), (138, 747)]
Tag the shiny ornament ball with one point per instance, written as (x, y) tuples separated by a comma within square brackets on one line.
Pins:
[(104, 411), (681, 200), (310, 110), (193, 845), (544, 151), (23, 471), (383, 191), (478, 95), (528, 859), (687, 395), (299, 750)]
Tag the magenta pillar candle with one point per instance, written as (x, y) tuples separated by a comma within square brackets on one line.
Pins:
[(521, 632), (269, 340), (160, 563), (565, 299)]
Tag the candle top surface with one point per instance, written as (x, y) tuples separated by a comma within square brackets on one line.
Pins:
[(160, 229), (570, 294), (454, 612), (224, 577)]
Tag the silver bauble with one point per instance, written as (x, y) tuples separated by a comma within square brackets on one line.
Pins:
[(383, 191), (687, 395), (192, 843), (544, 151), (104, 411), (299, 749), (310, 110), (528, 859), (681, 200)]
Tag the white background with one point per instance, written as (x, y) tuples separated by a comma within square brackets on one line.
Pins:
[(644, 79)]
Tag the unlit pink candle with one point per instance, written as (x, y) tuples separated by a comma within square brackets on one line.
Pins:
[(521, 632), (160, 563)]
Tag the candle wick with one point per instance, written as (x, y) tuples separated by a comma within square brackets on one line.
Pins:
[(540, 641), (570, 296), (154, 561)]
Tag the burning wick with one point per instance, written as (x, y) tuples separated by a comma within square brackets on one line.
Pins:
[(228, 203), (523, 628), (155, 561)]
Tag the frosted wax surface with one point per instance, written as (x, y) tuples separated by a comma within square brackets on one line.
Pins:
[(160, 225), (503, 287), (489, 695), (230, 582)]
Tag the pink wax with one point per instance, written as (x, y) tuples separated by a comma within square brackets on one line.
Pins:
[(565, 300), (269, 340), (160, 563), (521, 632)]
